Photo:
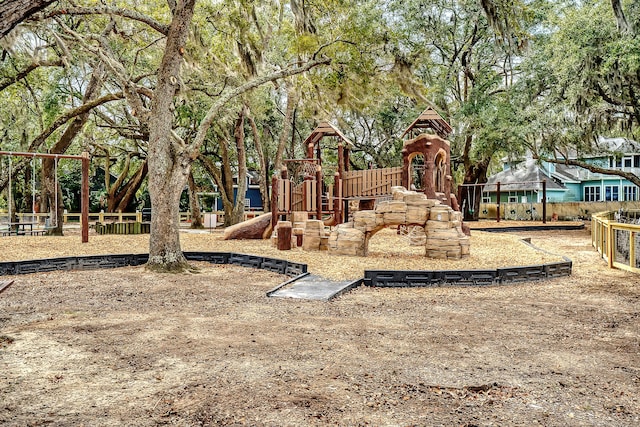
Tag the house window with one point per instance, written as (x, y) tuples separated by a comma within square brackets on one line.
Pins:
[(611, 193), (630, 193), (615, 162), (486, 199), (627, 162), (513, 199), (591, 193)]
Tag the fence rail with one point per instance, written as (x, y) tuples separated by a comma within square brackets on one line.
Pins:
[(616, 236), (106, 217)]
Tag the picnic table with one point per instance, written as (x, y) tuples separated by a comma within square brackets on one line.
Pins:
[(22, 229)]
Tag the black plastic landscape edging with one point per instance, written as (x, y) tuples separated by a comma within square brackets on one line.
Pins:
[(413, 278), (377, 278), (519, 228), (92, 262)]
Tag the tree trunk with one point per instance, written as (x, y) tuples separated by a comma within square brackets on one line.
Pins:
[(292, 101), (227, 187), (48, 179), (120, 196), (475, 173), (621, 19), (169, 159), (264, 167), (194, 204), (12, 12), (238, 208), (216, 173)]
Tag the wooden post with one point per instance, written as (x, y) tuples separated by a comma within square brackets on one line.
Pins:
[(85, 197), (544, 201), (284, 235), (319, 192), (319, 153), (274, 201), (632, 249), (340, 159), (406, 175), (498, 202), (610, 237), (347, 154), (337, 198)]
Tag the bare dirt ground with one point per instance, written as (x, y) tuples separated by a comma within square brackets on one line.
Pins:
[(129, 347)]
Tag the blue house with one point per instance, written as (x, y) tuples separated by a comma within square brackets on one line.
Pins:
[(252, 197), (613, 153), (521, 182), (567, 183)]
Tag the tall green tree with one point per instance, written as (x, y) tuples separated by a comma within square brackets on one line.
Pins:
[(461, 56), (582, 81)]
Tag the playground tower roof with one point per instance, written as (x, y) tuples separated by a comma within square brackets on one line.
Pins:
[(430, 119), (322, 130)]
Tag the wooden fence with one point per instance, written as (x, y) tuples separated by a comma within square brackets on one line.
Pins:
[(303, 197), (371, 182), (616, 236)]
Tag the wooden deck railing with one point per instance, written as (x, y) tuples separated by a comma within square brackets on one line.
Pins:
[(616, 236)]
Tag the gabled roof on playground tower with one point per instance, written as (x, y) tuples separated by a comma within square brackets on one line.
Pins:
[(325, 129), (430, 119)]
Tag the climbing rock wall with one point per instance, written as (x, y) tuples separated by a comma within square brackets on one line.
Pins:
[(436, 226)]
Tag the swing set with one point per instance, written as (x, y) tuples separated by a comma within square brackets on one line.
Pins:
[(519, 201), (53, 219)]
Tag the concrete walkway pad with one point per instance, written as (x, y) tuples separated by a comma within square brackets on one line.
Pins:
[(314, 287)]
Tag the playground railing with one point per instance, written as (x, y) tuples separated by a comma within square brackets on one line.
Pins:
[(616, 236), (371, 182)]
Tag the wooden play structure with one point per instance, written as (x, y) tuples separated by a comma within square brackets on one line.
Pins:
[(416, 197), (324, 191)]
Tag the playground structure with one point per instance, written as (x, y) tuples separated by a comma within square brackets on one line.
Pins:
[(307, 185), (84, 218), (416, 196)]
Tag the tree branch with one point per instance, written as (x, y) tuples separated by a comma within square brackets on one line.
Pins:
[(593, 168), (8, 81), (206, 123), (105, 10)]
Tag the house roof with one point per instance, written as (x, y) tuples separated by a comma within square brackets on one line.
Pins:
[(322, 130), (566, 173), (619, 145), (523, 176), (605, 147), (430, 119)]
